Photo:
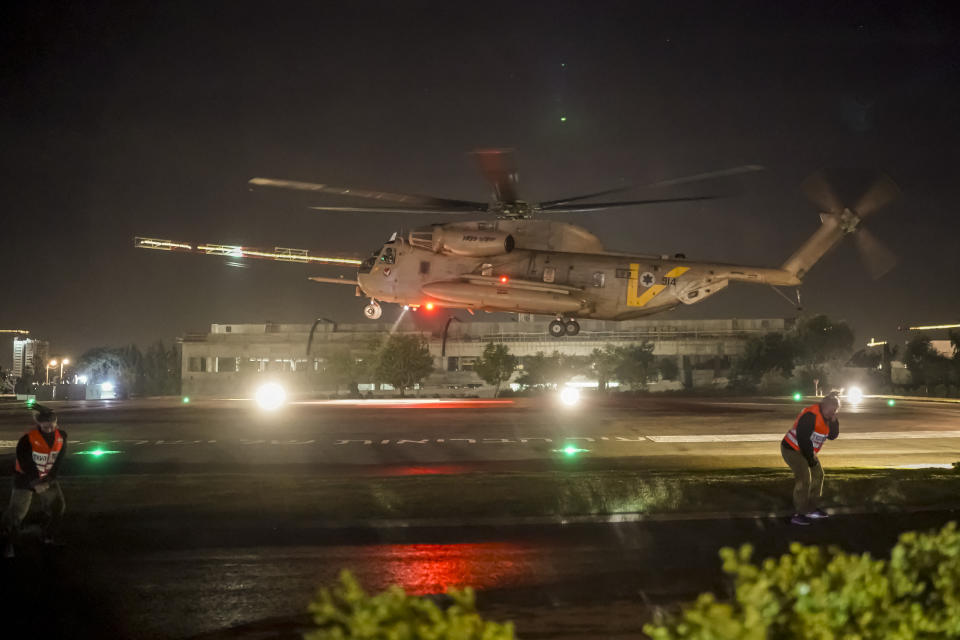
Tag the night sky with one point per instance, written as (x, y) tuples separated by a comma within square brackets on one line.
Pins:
[(129, 118)]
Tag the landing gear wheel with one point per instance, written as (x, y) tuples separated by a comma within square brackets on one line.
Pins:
[(373, 311), (572, 327), (557, 329)]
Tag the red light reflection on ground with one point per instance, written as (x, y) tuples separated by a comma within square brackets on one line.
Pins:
[(433, 568), (426, 470)]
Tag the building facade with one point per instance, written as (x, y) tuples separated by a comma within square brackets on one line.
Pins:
[(29, 354), (233, 359)]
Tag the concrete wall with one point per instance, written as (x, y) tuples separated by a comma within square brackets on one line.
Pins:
[(701, 348)]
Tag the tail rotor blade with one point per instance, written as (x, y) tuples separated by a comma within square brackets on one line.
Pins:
[(877, 258), (880, 193), (819, 190)]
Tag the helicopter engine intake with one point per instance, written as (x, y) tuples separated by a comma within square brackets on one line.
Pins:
[(474, 243)]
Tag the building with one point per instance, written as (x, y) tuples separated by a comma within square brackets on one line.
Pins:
[(233, 359), (30, 354)]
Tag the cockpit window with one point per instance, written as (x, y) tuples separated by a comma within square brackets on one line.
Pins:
[(388, 255), (367, 264)]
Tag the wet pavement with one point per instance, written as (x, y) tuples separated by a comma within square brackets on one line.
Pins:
[(181, 573)]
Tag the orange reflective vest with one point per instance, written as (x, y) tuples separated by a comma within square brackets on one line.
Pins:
[(820, 430), (43, 454)]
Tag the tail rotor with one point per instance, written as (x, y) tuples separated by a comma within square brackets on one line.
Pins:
[(876, 256)]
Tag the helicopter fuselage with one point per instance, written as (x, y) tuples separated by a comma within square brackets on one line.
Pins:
[(568, 284)]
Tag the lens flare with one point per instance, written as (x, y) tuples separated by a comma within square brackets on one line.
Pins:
[(270, 396)]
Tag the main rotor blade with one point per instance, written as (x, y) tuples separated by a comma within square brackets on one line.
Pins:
[(818, 189), (401, 210), (877, 258), (881, 192), (599, 206), (748, 168), (386, 196), (500, 170)]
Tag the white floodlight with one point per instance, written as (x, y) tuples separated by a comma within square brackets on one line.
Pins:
[(270, 396), (570, 396), (855, 395)]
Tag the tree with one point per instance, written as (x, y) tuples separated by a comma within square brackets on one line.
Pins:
[(669, 369), (550, 371), (161, 370), (603, 362), (403, 361), (812, 594), (635, 364), (820, 340), (344, 367), (121, 365), (495, 366), (762, 354), (927, 367)]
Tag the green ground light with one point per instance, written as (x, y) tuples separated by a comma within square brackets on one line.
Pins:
[(797, 396), (891, 402), (571, 451), (186, 399), (96, 453)]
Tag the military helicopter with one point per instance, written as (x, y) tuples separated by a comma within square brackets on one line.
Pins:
[(519, 262)]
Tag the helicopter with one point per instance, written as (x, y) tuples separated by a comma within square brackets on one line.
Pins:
[(517, 261)]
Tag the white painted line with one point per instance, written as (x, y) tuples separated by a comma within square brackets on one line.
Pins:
[(733, 437), (771, 437)]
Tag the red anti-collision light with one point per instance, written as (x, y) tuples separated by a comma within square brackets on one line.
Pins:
[(504, 279), (429, 306)]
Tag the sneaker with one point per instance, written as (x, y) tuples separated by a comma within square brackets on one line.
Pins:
[(799, 518), (818, 514)]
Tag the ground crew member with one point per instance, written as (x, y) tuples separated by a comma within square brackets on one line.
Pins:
[(39, 455), (799, 449)]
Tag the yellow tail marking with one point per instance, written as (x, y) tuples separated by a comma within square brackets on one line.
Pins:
[(633, 300)]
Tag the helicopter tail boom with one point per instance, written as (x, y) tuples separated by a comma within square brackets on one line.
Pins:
[(823, 240)]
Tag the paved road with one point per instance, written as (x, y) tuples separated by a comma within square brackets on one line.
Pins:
[(387, 437), (589, 581)]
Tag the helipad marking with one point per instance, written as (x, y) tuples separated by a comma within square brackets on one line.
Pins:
[(770, 437)]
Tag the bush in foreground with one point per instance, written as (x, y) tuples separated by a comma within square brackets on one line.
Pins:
[(811, 594), (346, 611)]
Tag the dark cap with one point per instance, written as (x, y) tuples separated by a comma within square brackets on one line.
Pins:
[(42, 413)]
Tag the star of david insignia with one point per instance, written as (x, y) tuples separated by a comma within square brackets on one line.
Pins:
[(647, 279)]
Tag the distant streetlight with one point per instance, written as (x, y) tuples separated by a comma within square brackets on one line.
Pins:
[(52, 363), (63, 362)]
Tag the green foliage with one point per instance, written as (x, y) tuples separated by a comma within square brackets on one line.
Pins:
[(927, 367), (820, 340), (346, 611), (496, 365), (403, 361), (669, 369), (812, 594), (771, 352), (603, 362), (548, 371), (635, 365)]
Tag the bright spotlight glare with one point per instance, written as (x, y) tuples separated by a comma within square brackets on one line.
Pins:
[(270, 396), (569, 396), (855, 395), (106, 386)]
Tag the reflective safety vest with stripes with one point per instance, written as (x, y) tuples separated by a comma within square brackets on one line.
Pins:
[(820, 429), (43, 454)]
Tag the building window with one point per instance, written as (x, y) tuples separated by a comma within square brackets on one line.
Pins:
[(467, 363), (197, 365), (623, 273), (258, 365), (229, 329), (453, 363), (228, 365)]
